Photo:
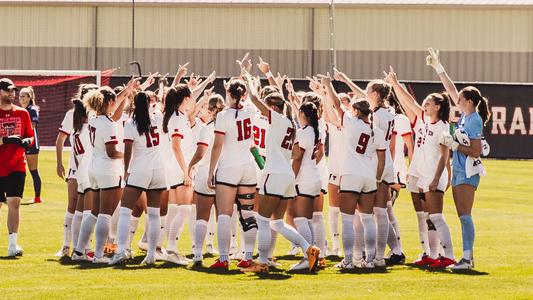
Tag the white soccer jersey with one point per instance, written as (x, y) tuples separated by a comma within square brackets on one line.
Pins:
[(384, 120), (360, 143), (195, 131), (335, 148), (67, 127), (419, 131), (309, 172), (206, 138), (146, 154), (236, 126), (279, 144), (260, 129), (102, 131), (178, 126), (402, 127), (431, 149), (83, 151)]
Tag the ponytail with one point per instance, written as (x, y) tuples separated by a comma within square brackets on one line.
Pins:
[(29, 90), (382, 88), (215, 104), (94, 101), (141, 115), (443, 100), (480, 103), (79, 115), (237, 89), (277, 100), (311, 113), (363, 106), (173, 100)]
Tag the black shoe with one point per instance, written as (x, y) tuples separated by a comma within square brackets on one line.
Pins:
[(395, 259)]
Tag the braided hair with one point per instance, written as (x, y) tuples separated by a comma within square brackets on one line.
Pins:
[(173, 100), (311, 114)]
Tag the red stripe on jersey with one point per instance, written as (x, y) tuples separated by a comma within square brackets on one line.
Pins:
[(64, 131), (202, 144), (414, 122), (342, 118), (177, 134), (111, 142), (220, 132), (407, 133), (269, 116)]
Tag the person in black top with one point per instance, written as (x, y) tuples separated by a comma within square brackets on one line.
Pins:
[(27, 100)]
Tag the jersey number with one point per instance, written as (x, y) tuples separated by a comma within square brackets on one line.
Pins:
[(244, 129), (288, 139), (152, 137), (92, 133), (259, 137), (362, 144), (388, 136), (78, 146)]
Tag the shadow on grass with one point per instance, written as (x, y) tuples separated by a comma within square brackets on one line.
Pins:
[(289, 257), (334, 258), (9, 257), (207, 270), (272, 276), (365, 271), (440, 270)]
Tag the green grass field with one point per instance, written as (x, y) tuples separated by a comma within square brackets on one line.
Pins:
[(503, 216)]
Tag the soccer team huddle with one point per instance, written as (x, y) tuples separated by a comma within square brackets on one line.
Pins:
[(252, 163)]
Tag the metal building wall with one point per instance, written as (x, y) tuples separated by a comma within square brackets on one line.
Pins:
[(477, 44)]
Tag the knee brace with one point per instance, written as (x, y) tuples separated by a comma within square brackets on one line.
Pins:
[(250, 222)]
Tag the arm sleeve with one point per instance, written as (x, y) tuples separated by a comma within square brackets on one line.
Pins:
[(66, 125), (34, 115), (379, 138), (303, 140), (402, 126), (129, 131), (28, 131), (174, 127), (109, 133), (474, 128), (204, 138), (220, 124)]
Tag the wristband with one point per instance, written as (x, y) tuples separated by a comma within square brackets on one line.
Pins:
[(269, 74), (439, 69)]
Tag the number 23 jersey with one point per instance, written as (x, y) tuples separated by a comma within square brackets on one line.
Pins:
[(360, 145), (146, 149)]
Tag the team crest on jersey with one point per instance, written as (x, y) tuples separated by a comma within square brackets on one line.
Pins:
[(10, 126), (430, 133)]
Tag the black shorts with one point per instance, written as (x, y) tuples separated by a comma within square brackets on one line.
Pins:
[(12, 185)]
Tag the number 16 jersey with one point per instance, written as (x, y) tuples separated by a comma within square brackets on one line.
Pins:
[(236, 126), (360, 145)]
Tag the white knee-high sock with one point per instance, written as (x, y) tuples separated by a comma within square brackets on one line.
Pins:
[(234, 226), (182, 217), (114, 224), (76, 225), (369, 226), (123, 230), (444, 234), (134, 224), (144, 236), (172, 210), (192, 223), (263, 238), (348, 236), (162, 230), (224, 236), (87, 226), (433, 238), (211, 227), (359, 240), (249, 236), (313, 237), (154, 227), (67, 229), (319, 230), (382, 227), (302, 226), (103, 222), (273, 240), (395, 234), (290, 234), (423, 231), (333, 221), (199, 237)]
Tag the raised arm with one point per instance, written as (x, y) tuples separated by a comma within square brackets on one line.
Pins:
[(252, 91), (200, 87), (433, 61), (359, 93), (122, 97), (264, 67), (409, 104), (332, 103), (182, 71)]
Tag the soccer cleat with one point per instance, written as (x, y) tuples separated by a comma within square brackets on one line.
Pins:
[(110, 248), (177, 259), (342, 265), (334, 252), (443, 262), (14, 250), (301, 265), (89, 253), (295, 251), (64, 252), (210, 249), (312, 257), (160, 254), (118, 258), (368, 265), (322, 263), (395, 259), (424, 260), (273, 263), (197, 261), (219, 264), (37, 200), (245, 263), (148, 261), (77, 256), (142, 245), (463, 264), (256, 268), (379, 263), (359, 263), (101, 260)]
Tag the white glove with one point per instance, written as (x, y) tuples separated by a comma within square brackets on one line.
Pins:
[(485, 147), (447, 140), (433, 61)]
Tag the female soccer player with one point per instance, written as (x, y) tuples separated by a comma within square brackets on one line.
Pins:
[(27, 101), (433, 179), (144, 169), (72, 186), (308, 151), (205, 197), (474, 116), (359, 173), (235, 176)]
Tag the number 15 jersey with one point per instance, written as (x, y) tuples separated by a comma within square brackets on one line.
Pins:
[(236, 126), (360, 145), (146, 149)]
